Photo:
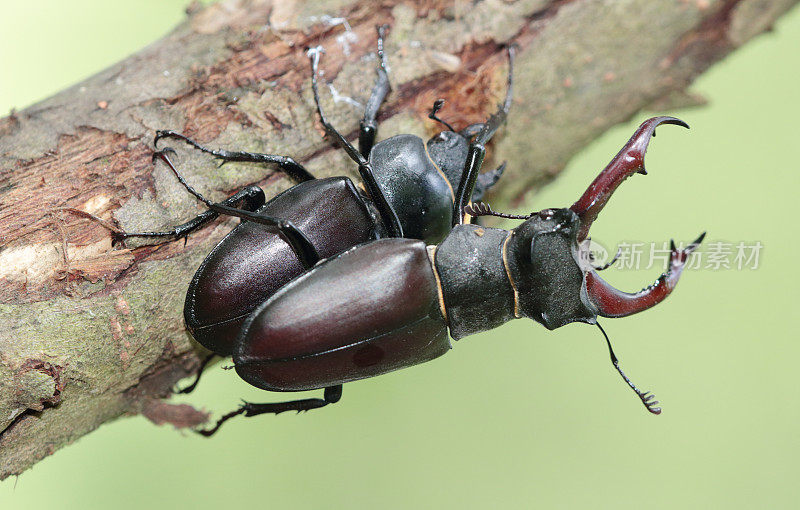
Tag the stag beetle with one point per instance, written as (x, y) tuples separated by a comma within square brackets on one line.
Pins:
[(389, 303), (327, 283), (411, 189)]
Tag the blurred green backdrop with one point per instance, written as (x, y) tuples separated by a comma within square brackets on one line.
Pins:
[(519, 417)]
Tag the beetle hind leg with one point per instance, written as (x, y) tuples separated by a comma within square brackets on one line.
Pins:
[(477, 148), (332, 395), (249, 200), (200, 370)]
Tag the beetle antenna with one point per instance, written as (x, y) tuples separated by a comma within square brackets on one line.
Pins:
[(647, 398), (476, 209), (437, 105)]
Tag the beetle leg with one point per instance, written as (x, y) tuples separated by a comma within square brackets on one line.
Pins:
[(611, 302), (388, 215), (299, 243), (477, 151), (369, 126), (472, 130), (249, 198), (331, 396), (313, 55), (486, 180), (203, 365), (301, 246), (628, 161), (497, 119), (289, 166)]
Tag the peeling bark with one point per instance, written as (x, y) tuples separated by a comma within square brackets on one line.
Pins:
[(89, 332)]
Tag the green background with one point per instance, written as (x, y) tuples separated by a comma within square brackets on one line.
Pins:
[(519, 417)]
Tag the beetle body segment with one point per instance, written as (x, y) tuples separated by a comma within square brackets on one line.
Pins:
[(478, 295), (449, 150), (490, 276), (544, 262), (418, 190), (251, 263), (368, 311)]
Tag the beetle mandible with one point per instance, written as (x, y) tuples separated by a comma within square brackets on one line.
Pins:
[(390, 303), (411, 189)]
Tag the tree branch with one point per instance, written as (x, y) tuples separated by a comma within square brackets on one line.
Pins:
[(89, 333)]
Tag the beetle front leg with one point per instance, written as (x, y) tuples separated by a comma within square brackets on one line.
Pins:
[(477, 149), (248, 409), (369, 126)]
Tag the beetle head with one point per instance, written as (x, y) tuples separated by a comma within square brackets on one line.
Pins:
[(556, 282), (544, 261)]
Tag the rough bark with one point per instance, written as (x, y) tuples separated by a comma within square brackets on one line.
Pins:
[(89, 332)]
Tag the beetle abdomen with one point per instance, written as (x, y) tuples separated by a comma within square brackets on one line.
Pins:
[(417, 189), (252, 261), (369, 311)]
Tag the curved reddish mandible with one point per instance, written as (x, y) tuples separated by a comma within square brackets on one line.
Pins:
[(628, 161), (611, 302)]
